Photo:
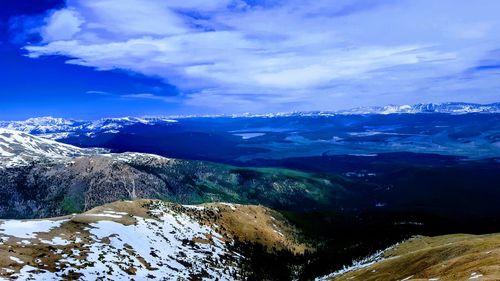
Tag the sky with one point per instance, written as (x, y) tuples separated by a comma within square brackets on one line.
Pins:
[(102, 58)]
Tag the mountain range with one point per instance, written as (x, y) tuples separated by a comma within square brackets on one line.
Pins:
[(443, 129), (60, 128), (444, 108)]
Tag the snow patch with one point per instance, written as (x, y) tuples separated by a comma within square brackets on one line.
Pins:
[(28, 229), (475, 275), (229, 205), (16, 259)]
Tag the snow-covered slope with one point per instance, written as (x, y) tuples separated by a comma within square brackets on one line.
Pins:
[(135, 240), (18, 148)]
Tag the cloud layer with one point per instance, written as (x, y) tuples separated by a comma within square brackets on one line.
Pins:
[(275, 55)]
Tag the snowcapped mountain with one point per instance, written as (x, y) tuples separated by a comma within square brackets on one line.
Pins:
[(59, 128), (41, 124), (18, 148), (447, 108)]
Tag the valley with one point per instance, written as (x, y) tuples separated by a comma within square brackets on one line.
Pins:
[(268, 218)]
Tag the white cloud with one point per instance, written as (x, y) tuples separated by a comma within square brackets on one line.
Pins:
[(61, 25), (269, 54), (96, 92), (148, 96)]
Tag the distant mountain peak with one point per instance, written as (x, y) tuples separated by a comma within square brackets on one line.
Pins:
[(447, 108), (47, 119)]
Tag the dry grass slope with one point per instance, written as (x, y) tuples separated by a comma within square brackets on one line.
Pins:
[(443, 258)]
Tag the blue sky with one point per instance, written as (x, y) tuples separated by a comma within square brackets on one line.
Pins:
[(91, 59)]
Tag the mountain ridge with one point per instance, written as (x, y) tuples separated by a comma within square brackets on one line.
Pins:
[(40, 178), (447, 258), (143, 239)]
